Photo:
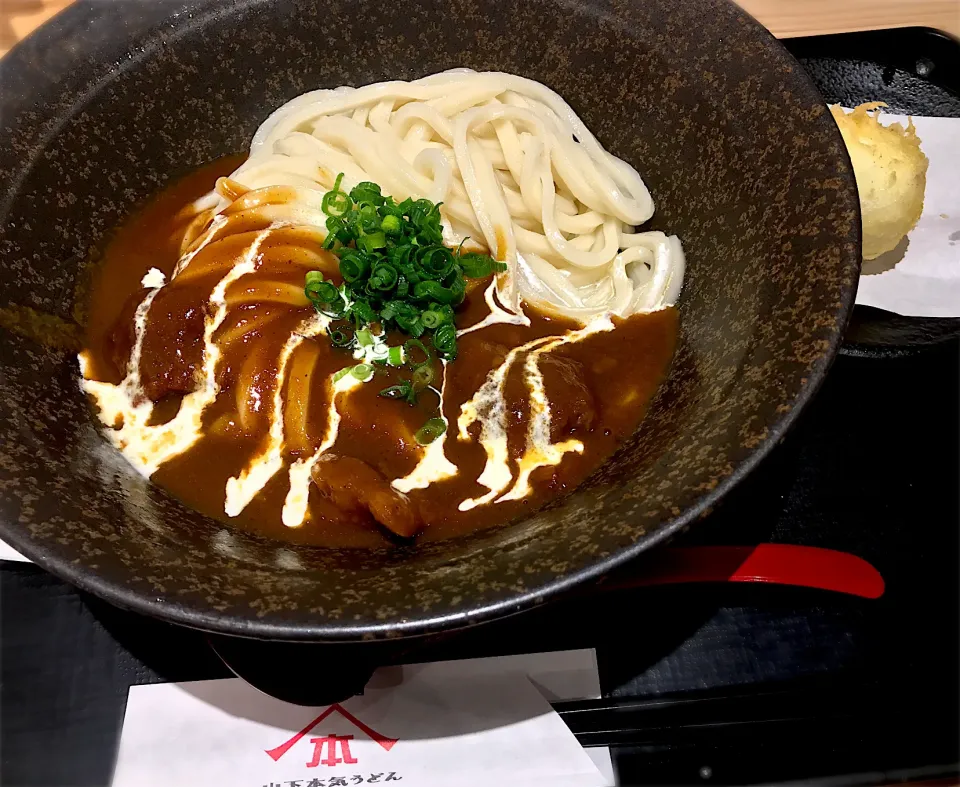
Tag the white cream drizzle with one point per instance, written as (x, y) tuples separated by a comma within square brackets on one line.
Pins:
[(498, 315), (260, 469), (153, 279), (208, 236), (489, 408), (124, 406), (433, 465), (379, 350), (540, 451), (298, 496)]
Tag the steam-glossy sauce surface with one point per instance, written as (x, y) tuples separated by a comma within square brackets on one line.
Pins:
[(272, 350)]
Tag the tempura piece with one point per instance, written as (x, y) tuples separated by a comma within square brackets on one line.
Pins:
[(891, 173)]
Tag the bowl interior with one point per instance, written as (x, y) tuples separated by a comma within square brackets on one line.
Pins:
[(101, 109)]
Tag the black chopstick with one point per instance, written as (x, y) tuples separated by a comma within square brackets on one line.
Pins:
[(680, 719)]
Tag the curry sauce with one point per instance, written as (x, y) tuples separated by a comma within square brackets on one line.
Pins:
[(273, 407)]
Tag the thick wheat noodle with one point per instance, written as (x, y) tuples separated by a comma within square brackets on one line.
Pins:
[(253, 404), (514, 167), (300, 391), (229, 248), (248, 322), (268, 292)]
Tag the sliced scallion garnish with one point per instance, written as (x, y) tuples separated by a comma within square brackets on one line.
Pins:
[(422, 377), (403, 390), (341, 338), (396, 272), (362, 372), (416, 353), (395, 356), (430, 431)]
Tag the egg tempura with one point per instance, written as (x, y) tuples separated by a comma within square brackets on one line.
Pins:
[(891, 173)]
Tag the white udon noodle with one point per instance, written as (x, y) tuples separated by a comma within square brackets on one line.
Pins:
[(517, 171)]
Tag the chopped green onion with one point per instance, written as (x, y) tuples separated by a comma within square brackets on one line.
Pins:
[(369, 218), (443, 312), (422, 377), (332, 310), (354, 265), (431, 319), (362, 372), (431, 290), (403, 390), (324, 296), (336, 203), (311, 285), (430, 431), (362, 313), (479, 266), (383, 278), (339, 338), (436, 262), (395, 356), (410, 346), (367, 193), (411, 325), (342, 373), (445, 340), (372, 241), (397, 274), (391, 224), (326, 292)]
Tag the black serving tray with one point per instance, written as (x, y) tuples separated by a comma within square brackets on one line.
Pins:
[(870, 468), (868, 690), (916, 71)]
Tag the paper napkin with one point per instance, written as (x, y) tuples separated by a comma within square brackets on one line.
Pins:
[(7, 552), (921, 277), (560, 675), (450, 724)]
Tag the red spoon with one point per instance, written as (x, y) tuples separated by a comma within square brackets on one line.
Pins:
[(780, 564)]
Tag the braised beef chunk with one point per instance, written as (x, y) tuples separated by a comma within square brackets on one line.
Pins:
[(496, 352), (173, 347), (119, 342), (573, 408), (485, 356), (355, 487), (394, 429)]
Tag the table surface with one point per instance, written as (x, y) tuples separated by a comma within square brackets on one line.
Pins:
[(785, 18)]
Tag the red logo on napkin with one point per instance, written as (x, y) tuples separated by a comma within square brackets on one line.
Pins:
[(332, 743)]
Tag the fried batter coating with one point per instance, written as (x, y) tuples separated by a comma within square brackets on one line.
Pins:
[(891, 173)]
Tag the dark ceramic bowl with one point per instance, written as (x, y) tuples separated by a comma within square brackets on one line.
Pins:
[(107, 103)]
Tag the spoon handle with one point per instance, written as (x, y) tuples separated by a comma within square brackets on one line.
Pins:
[(781, 564)]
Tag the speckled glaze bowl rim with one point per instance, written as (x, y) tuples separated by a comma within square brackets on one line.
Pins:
[(239, 625)]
